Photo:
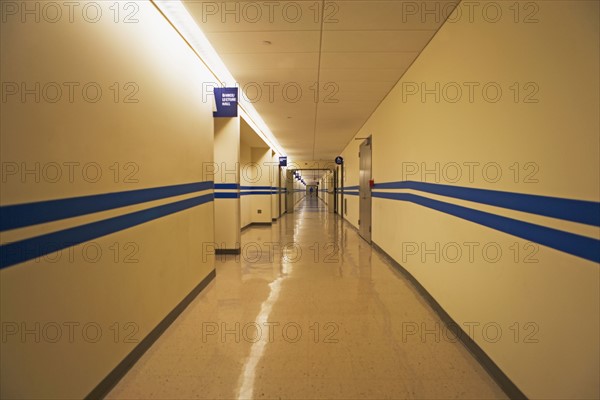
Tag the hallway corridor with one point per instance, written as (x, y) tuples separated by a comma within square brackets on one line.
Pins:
[(317, 199), (334, 320)]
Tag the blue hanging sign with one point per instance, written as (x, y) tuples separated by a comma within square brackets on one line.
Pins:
[(227, 101), (283, 161), (339, 160)]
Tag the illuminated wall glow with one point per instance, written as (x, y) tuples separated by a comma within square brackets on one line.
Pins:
[(177, 14)]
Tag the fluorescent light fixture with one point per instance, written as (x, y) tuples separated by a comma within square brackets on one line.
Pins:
[(180, 18)]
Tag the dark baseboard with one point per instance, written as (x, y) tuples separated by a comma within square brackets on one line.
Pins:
[(257, 224), (260, 224), (511, 390), (228, 251), (111, 380)]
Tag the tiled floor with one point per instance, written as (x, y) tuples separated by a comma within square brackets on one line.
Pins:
[(335, 321)]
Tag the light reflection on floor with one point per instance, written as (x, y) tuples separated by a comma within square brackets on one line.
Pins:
[(308, 311)]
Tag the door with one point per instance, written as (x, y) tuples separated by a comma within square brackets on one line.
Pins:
[(364, 178), (289, 192), (335, 190)]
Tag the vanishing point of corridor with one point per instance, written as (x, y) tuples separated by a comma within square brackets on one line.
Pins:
[(308, 311)]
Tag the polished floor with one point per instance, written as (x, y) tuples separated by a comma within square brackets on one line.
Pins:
[(308, 311)]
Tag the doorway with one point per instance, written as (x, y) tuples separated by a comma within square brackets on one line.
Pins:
[(364, 180)]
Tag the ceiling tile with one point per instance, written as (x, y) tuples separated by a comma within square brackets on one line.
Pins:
[(271, 60), (375, 41), (386, 15), (253, 42), (363, 50), (367, 60), (360, 75)]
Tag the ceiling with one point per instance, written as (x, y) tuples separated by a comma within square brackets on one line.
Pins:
[(354, 56)]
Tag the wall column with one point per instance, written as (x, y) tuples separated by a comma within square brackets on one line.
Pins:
[(227, 185)]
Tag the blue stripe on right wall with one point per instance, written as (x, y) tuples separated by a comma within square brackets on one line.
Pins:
[(577, 245), (582, 211)]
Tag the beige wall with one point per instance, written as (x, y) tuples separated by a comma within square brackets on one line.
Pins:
[(328, 192), (162, 139), (262, 203), (322, 186), (282, 188), (227, 156), (274, 181), (256, 170), (299, 191), (326, 189), (557, 354), (245, 159)]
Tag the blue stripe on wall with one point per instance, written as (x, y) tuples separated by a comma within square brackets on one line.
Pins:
[(577, 245), (256, 187), (28, 249), (22, 215), (226, 185), (226, 195), (585, 212), (254, 192)]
